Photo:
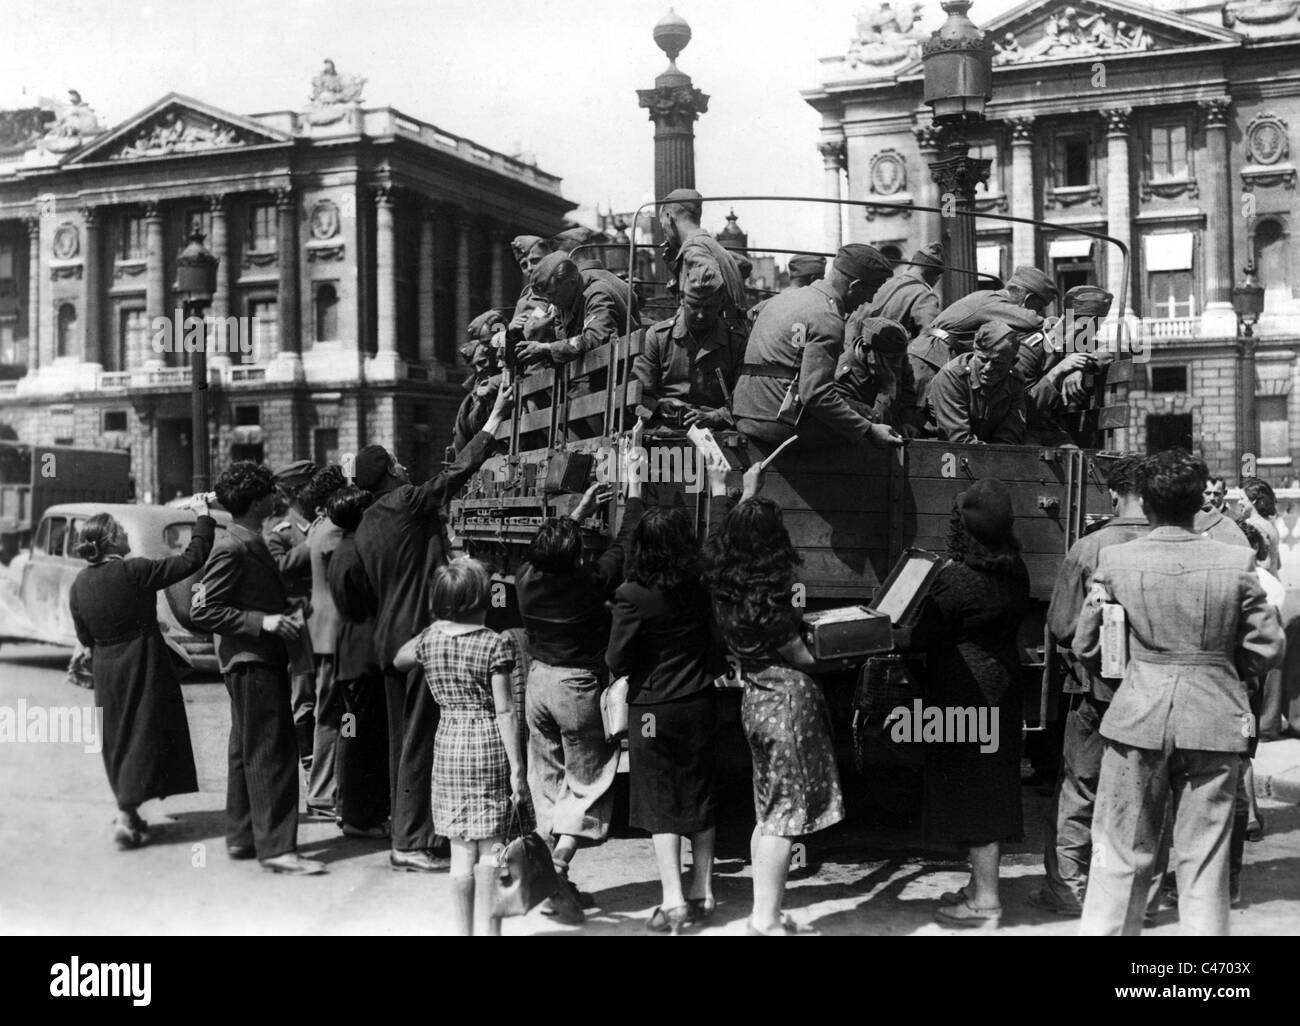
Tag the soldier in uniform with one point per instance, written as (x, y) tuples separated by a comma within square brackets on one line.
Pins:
[(585, 241), (909, 298), (587, 310), (873, 374), (1020, 305), (286, 539), (686, 244), (975, 397), (789, 373), (1052, 363), (691, 361), (803, 269), (529, 251), (484, 378)]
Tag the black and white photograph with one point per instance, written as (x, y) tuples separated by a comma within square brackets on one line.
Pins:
[(619, 470)]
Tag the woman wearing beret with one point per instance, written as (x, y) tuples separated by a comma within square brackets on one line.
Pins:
[(968, 629), (145, 735)]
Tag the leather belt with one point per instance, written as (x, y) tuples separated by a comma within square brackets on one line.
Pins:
[(767, 370)]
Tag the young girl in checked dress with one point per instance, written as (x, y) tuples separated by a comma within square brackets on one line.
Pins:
[(478, 770)]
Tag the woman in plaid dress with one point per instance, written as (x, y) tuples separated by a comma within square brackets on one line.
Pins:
[(478, 769)]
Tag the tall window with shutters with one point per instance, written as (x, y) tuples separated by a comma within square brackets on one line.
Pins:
[(1167, 153)]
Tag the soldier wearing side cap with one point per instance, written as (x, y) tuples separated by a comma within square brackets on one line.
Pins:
[(788, 378), (1019, 305), (804, 269), (1052, 363), (484, 378), (687, 245), (873, 373), (529, 250), (587, 309), (975, 397), (690, 361), (908, 297)]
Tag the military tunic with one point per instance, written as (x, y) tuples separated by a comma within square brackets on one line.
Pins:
[(960, 411), (879, 387), (907, 299), (701, 248), (949, 334), (599, 316), (674, 364)]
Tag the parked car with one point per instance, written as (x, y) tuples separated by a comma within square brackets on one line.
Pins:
[(34, 601)]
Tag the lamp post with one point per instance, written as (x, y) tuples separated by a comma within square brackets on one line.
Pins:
[(958, 65), (196, 280), (1248, 303)]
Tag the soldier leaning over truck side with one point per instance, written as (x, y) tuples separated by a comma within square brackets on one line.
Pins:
[(975, 397), (484, 379), (873, 373), (788, 378), (1020, 304), (908, 297)]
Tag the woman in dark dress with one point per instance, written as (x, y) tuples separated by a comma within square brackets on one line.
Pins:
[(968, 628), (114, 607), (751, 566), (662, 640)]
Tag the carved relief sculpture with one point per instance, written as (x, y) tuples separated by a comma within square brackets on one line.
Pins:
[(888, 173), (1069, 33), (332, 95), (1258, 12), (324, 224), (67, 242), (1268, 145), (887, 35), (175, 133)]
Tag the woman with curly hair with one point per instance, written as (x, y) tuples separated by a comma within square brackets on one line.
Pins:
[(750, 570), (968, 628), (662, 640), (114, 604)]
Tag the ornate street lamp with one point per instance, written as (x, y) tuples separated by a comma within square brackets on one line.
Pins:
[(1248, 302), (958, 63), (196, 280)]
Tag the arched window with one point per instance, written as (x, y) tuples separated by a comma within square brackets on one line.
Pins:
[(327, 313), (1271, 264), (66, 336)]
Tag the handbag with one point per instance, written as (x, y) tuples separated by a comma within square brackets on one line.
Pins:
[(526, 874), (613, 709)]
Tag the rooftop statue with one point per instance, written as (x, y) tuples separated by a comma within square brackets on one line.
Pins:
[(332, 94), (74, 123), (887, 35)]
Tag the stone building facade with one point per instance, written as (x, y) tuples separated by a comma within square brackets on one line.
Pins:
[(355, 243), (1168, 129)]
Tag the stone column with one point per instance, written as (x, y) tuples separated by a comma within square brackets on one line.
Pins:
[(33, 294), (428, 326), (1023, 249), (1119, 215), (1219, 319), (833, 162), (674, 105), (463, 314), (94, 348), (496, 289), (155, 285), (219, 246), (927, 192), (286, 363), (386, 361)]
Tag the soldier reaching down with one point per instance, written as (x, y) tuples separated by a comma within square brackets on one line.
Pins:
[(976, 398)]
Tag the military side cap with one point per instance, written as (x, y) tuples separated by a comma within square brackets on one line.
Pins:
[(882, 334), (1034, 281), (859, 260), (802, 266), (483, 321), (702, 282), (991, 333), (1089, 300), (929, 256), (521, 244), (687, 198), (571, 238), (295, 475), (555, 267)]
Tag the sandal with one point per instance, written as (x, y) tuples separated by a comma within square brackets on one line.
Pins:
[(702, 909), (966, 915), (954, 897), (669, 920)]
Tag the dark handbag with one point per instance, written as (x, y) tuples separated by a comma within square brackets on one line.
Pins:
[(527, 874), (883, 685)]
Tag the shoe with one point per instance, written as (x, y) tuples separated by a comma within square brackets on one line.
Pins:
[(785, 928), (320, 813), (239, 852), (669, 920), (565, 904), (702, 909), (294, 864), (953, 897), (1049, 902), (128, 838), (967, 915), (421, 861), (376, 832)]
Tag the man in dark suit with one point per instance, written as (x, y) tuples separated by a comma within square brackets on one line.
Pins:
[(242, 601), (401, 541)]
